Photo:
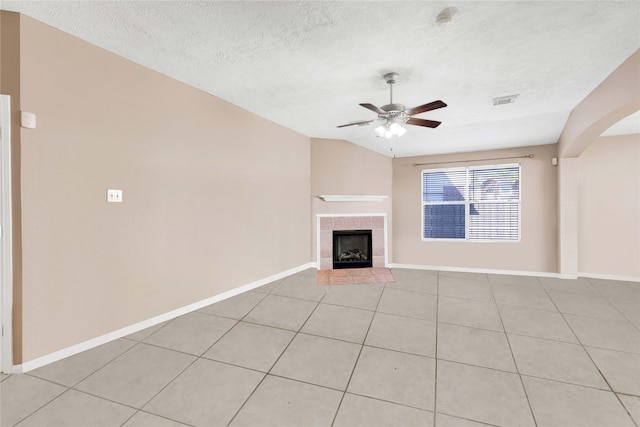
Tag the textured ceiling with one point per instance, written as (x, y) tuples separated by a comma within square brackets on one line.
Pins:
[(307, 65)]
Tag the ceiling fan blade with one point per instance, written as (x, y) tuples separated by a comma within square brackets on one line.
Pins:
[(426, 107), (423, 122), (365, 122), (373, 108)]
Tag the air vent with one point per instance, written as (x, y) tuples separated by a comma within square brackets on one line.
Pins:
[(501, 100)]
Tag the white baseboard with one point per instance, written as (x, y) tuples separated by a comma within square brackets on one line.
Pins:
[(518, 272), (481, 270), (103, 339), (609, 277)]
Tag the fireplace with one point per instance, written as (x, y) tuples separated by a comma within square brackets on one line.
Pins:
[(328, 223), (352, 249)]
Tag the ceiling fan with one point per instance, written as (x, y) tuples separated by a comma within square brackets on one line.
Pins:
[(392, 116)]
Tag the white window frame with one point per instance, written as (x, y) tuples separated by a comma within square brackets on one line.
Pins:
[(6, 254), (468, 202)]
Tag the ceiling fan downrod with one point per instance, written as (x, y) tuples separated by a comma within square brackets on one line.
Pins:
[(391, 108), (390, 78)]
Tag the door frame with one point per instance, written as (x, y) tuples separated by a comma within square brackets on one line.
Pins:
[(6, 247)]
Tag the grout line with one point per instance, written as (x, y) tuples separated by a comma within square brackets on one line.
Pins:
[(357, 358), (610, 349), (34, 372), (584, 348), (568, 383), (104, 398), (513, 357), (383, 287), (326, 387), (606, 300), (519, 334), (280, 328), (68, 389), (624, 320), (137, 343), (580, 343), (170, 382), (290, 297), (248, 397), (196, 358), (42, 406), (223, 362), (275, 362), (128, 419), (390, 401), (155, 415), (396, 288), (349, 306), (73, 388), (500, 303), (262, 298), (474, 422), (633, 420)]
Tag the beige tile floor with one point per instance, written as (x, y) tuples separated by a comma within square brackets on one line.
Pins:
[(430, 349)]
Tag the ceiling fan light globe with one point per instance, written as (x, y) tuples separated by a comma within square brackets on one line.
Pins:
[(380, 131), (397, 130)]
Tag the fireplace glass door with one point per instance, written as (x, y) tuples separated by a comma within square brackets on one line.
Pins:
[(352, 249)]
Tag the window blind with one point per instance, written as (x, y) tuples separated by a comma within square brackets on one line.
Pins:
[(473, 203)]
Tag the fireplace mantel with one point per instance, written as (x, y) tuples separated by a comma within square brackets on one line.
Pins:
[(351, 198)]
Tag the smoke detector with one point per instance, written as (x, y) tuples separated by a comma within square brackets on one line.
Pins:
[(445, 16)]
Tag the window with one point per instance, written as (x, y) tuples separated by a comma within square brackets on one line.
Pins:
[(472, 203)]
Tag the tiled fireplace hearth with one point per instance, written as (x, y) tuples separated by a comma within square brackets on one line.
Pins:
[(327, 223)]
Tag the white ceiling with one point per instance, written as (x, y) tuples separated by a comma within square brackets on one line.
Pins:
[(308, 64), (627, 126)]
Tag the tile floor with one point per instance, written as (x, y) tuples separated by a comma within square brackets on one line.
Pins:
[(430, 349)]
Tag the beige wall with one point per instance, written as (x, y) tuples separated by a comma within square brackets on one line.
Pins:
[(214, 197), (536, 252), (341, 168), (615, 98), (609, 207)]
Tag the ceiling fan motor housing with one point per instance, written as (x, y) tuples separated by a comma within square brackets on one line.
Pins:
[(393, 108), (394, 113)]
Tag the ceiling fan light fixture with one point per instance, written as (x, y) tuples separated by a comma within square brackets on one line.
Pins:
[(390, 129), (397, 130)]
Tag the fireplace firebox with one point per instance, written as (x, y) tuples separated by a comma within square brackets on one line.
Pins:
[(352, 249)]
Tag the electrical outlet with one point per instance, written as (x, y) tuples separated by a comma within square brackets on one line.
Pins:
[(114, 196)]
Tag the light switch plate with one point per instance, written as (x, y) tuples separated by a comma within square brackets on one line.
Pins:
[(114, 196), (27, 120)]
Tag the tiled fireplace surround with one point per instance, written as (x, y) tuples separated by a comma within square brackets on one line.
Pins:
[(377, 223)]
